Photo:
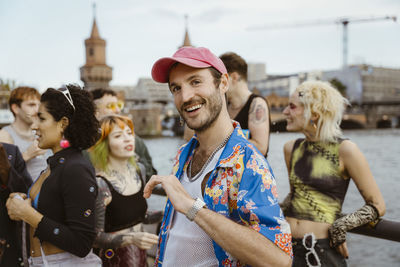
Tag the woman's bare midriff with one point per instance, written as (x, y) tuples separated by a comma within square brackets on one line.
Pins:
[(301, 227), (48, 248)]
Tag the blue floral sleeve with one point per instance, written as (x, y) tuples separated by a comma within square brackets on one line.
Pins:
[(258, 205)]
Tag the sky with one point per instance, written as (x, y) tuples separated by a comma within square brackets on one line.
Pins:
[(42, 41)]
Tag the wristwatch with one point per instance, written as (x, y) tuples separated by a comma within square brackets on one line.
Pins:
[(197, 205)]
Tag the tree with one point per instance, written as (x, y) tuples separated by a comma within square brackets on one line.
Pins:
[(339, 86), (7, 85), (5, 89)]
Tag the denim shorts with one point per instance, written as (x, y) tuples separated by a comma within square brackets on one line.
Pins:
[(66, 259), (327, 255)]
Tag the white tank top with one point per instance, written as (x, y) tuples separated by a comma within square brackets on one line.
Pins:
[(188, 244), (35, 165)]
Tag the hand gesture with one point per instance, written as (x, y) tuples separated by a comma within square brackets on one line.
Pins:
[(142, 240), (178, 196), (33, 151), (18, 205), (342, 249)]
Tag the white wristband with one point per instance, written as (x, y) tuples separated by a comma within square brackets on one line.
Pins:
[(197, 205)]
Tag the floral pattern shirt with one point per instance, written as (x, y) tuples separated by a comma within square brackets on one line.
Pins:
[(242, 188)]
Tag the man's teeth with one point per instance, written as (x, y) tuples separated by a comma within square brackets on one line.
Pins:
[(194, 107)]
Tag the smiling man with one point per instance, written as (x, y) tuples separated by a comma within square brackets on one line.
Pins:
[(222, 207)]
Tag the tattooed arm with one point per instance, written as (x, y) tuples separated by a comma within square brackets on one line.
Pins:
[(142, 240), (104, 240), (356, 165), (259, 124)]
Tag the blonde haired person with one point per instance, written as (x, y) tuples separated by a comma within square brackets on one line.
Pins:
[(120, 206), (320, 167)]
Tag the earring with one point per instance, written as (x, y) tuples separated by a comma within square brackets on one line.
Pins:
[(313, 124), (181, 121), (64, 143)]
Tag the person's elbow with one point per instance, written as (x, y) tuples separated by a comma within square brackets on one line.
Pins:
[(274, 257), (287, 262), (284, 260), (82, 246), (260, 146), (263, 149)]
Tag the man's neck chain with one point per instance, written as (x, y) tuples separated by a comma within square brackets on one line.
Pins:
[(199, 174)]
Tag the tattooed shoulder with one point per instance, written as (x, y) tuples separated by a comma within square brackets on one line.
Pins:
[(258, 111)]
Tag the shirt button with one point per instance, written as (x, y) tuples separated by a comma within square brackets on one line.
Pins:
[(87, 213), (61, 160), (9, 157), (91, 189), (56, 231)]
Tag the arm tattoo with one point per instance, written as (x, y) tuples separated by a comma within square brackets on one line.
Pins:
[(104, 240), (337, 231), (257, 113)]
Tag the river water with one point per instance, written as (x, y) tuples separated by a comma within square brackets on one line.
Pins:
[(382, 150)]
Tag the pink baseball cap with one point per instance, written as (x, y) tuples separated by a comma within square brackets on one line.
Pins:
[(196, 57)]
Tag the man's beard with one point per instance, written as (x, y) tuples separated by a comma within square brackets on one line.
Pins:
[(214, 105)]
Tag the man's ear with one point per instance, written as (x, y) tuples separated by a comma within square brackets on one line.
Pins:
[(234, 76), (224, 84), (15, 108)]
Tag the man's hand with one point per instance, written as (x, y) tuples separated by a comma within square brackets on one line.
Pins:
[(4, 166), (178, 196), (33, 151)]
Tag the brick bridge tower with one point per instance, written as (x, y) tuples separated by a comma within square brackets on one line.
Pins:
[(95, 73)]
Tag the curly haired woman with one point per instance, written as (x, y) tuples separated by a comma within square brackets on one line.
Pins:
[(61, 203)]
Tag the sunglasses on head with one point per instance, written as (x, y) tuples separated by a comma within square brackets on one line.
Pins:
[(115, 105), (67, 95), (312, 258)]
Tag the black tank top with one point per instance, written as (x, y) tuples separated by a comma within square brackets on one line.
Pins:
[(124, 211), (243, 116)]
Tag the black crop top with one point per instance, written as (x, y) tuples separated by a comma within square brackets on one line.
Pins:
[(124, 211)]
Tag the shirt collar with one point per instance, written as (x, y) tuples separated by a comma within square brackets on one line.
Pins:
[(231, 151)]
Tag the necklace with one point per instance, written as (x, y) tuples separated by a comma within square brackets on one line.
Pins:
[(199, 174)]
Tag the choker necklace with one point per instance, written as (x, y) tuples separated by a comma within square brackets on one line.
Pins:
[(189, 172)]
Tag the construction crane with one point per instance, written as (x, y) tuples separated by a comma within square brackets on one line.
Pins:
[(343, 21)]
